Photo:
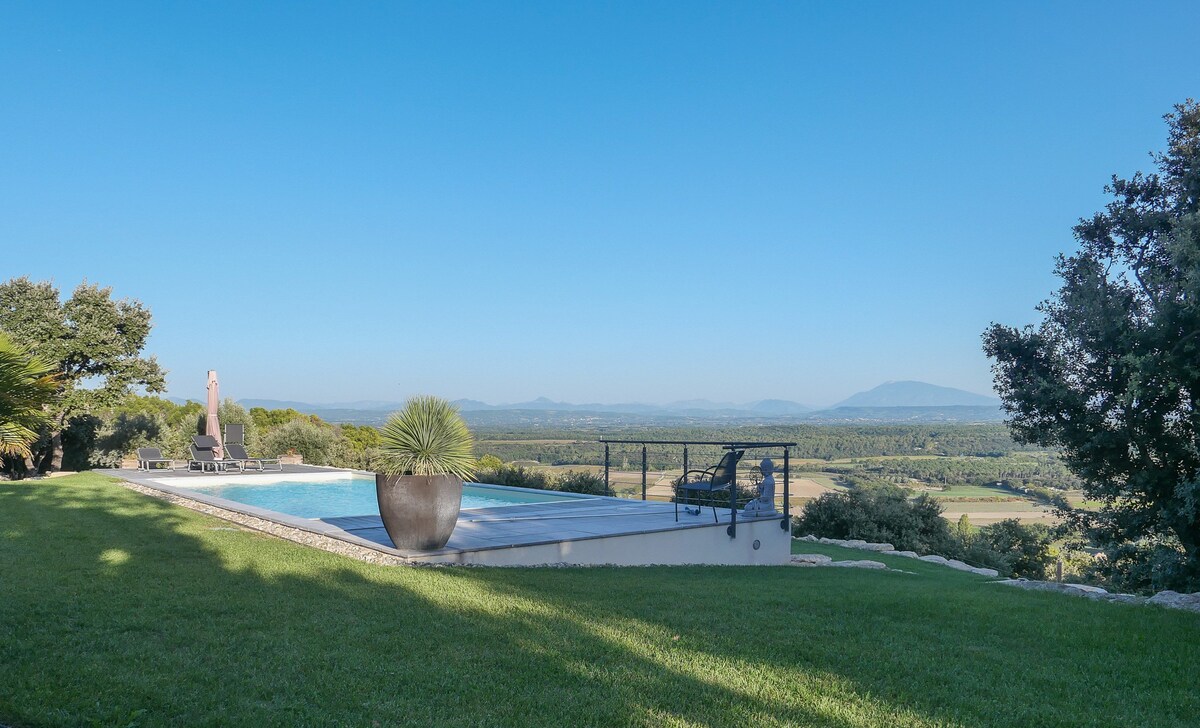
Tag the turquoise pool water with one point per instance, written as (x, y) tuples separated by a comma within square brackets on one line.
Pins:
[(352, 496)]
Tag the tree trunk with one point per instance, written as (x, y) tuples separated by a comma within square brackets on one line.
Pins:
[(56, 451)]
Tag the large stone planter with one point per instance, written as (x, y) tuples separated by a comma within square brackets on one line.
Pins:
[(419, 511)]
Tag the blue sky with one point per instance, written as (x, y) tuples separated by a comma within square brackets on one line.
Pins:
[(591, 202)]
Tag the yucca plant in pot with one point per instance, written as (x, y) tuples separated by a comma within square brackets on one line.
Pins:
[(425, 455)]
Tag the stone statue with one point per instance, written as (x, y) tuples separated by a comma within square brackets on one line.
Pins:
[(764, 504)]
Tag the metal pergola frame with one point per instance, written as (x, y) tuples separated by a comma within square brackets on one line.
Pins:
[(785, 523)]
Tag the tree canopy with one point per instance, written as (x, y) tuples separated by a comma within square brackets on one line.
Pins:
[(94, 343), (1111, 374)]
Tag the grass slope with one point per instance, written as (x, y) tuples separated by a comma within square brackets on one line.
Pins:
[(119, 609)]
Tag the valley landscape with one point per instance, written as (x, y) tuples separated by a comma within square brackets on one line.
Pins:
[(928, 439)]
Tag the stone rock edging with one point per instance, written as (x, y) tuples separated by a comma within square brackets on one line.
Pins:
[(823, 560), (1168, 599), (888, 550)]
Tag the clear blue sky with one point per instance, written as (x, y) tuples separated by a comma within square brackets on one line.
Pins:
[(498, 201)]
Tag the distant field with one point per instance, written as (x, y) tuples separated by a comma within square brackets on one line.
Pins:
[(826, 480), (985, 513), (972, 491)]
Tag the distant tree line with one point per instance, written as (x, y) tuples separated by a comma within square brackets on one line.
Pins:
[(823, 442), (1023, 473)]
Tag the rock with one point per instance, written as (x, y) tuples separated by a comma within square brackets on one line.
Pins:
[(1094, 593), (809, 538), (860, 564), (984, 571), (934, 559), (831, 541), (855, 543), (814, 559), (877, 547), (905, 554), (1086, 589), (1175, 600), (1127, 599)]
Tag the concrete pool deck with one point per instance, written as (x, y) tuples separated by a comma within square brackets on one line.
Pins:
[(586, 530)]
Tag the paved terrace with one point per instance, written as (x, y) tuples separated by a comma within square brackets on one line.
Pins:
[(532, 526)]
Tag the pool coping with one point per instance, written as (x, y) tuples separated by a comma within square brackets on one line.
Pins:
[(320, 528)]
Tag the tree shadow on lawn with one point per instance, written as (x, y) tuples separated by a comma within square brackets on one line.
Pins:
[(953, 648), (119, 602)]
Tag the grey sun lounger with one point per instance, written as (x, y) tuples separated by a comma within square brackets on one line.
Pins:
[(204, 459), (237, 451), (235, 434), (149, 458)]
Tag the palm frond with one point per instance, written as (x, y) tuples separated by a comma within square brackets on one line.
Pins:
[(27, 385)]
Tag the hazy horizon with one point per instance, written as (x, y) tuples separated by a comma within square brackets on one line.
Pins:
[(200, 394)]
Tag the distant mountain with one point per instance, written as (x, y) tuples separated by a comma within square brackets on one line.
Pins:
[(916, 394), (683, 408), (472, 405), (889, 402), (544, 412)]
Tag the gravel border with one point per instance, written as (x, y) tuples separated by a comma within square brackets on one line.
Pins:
[(300, 536)]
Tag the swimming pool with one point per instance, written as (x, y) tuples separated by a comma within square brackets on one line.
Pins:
[(351, 495)]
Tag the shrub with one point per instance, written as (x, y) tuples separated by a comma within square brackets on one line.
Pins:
[(1021, 550), (488, 462), (519, 476), (580, 482), (880, 515), (318, 444), (1144, 566), (889, 516), (516, 476)]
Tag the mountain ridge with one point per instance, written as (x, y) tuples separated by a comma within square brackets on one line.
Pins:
[(909, 393), (893, 395)]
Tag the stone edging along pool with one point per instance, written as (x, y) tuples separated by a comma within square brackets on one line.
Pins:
[(298, 535)]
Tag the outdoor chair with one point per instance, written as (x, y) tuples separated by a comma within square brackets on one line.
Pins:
[(150, 458), (204, 459), (237, 451), (719, 477)]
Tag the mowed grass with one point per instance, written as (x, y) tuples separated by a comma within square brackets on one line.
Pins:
[(119, 609)]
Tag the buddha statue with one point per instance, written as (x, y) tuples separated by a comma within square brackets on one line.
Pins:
[(764, 504)]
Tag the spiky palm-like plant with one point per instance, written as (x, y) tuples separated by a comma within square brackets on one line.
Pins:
[(27, 384), (427, 437)]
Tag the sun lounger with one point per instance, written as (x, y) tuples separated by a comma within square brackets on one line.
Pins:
[(205, 460), (237, 451), (235, 434), (150, 458)]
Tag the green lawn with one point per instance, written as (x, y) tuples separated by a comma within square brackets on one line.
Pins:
[(119, 609)]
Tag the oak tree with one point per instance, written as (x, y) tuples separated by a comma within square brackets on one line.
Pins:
[(1111, 375)]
